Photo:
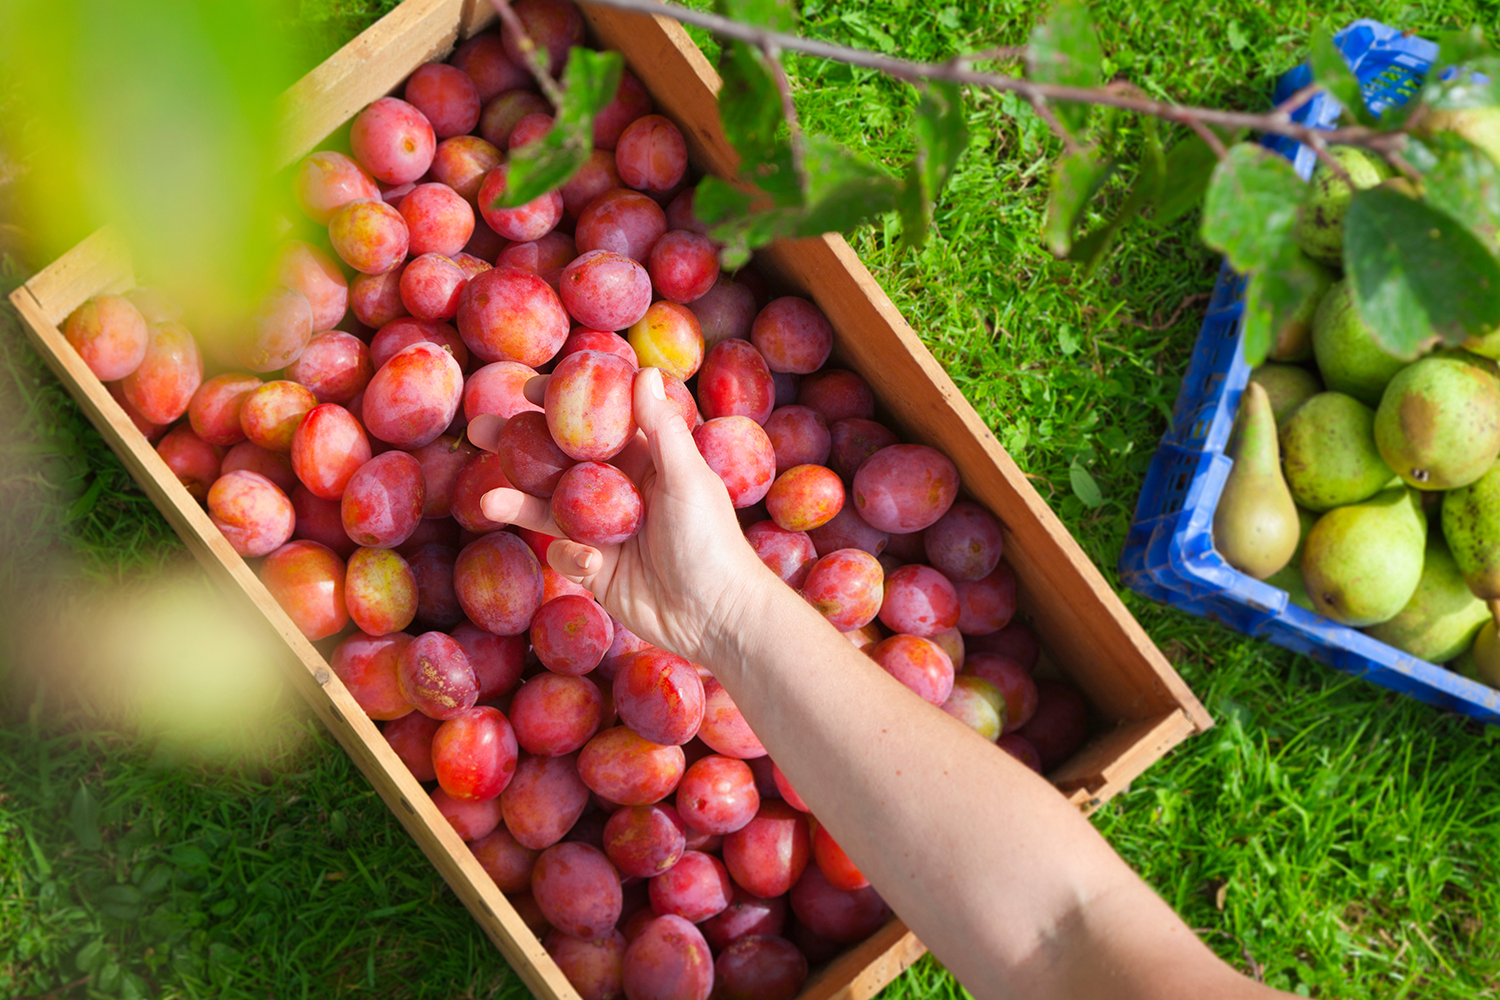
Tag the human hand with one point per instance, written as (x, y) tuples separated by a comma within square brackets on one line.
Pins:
[(687, 580)]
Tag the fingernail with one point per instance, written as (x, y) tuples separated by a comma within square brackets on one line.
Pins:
[(654, 383), (585, 560)]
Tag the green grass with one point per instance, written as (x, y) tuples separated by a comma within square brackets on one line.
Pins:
[(1336, 838)]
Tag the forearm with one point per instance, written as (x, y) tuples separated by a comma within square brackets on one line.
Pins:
[(976, 853)]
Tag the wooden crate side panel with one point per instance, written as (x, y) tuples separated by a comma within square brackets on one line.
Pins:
[(367, 68), (864, 970), (1074, 609), (309, 672), (1112, 760), (100, 264)]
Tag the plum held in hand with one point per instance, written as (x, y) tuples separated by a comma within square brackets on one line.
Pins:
[(597, 504)]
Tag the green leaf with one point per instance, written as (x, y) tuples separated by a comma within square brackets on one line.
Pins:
[(84, 818), (1092, 249), (1417, 273), (1251, 206), (123, 902), (1084, 486), (1465, 183), (749, 105), (1065, 50), (1330, 70), (1274, 295), (91, 957), (778, 15), (1188, 168), (1075, 178), (589, 83), (941, 135)]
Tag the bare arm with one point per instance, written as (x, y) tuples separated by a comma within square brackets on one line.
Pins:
[(1007, 884)]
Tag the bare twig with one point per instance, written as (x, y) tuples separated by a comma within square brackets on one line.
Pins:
[(1404, 167), (1000, 53), (1257, 971), (1210, 138), (789, 111), (1045, 113), (958, 71), (1320, 148), (529, 51), (1301, 97), (1171, 320)]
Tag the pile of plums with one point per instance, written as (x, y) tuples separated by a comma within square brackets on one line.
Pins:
[(611, 788)]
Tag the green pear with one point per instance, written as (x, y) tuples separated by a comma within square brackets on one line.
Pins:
[(1481, 126), (1363, 562), (1255, 524), (1350, 358), (1293, 342), (1482, 662), (1289, 386), (1440, 620), (1328, 451), (1289, 577), (1320, 219), (1438, 425), (1471, 525)]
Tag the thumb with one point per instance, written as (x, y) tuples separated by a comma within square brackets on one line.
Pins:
[(660, 418)]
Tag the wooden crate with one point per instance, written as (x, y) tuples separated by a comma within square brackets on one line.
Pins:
[(1089, 635)]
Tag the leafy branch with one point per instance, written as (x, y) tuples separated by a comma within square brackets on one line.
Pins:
[(1421, 259)]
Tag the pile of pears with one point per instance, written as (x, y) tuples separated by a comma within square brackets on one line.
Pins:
[(1365, 485)]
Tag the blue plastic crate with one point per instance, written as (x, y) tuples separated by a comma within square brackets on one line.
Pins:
[(1169, 554)]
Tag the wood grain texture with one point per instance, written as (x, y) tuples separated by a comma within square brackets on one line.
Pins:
[(375, 63), (100, 264), (1087, 631), (864, 970)]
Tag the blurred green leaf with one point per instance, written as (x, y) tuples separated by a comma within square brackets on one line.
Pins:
[(1084, 486), (589, 83), (84, 818), (750, 106), (778, 15), (91, 957), (1274, 294), (1475, 78), (1416, 272), (1147, 190), (123, 902), (143, 115), (1065, 50), (1251, 206), (1330, 70), (1075, 178), (1465, 183), (941, 136), (1186, 173)]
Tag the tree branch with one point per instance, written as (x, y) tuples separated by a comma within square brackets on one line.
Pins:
[(788, 111), (957, 70), (529, 51)]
